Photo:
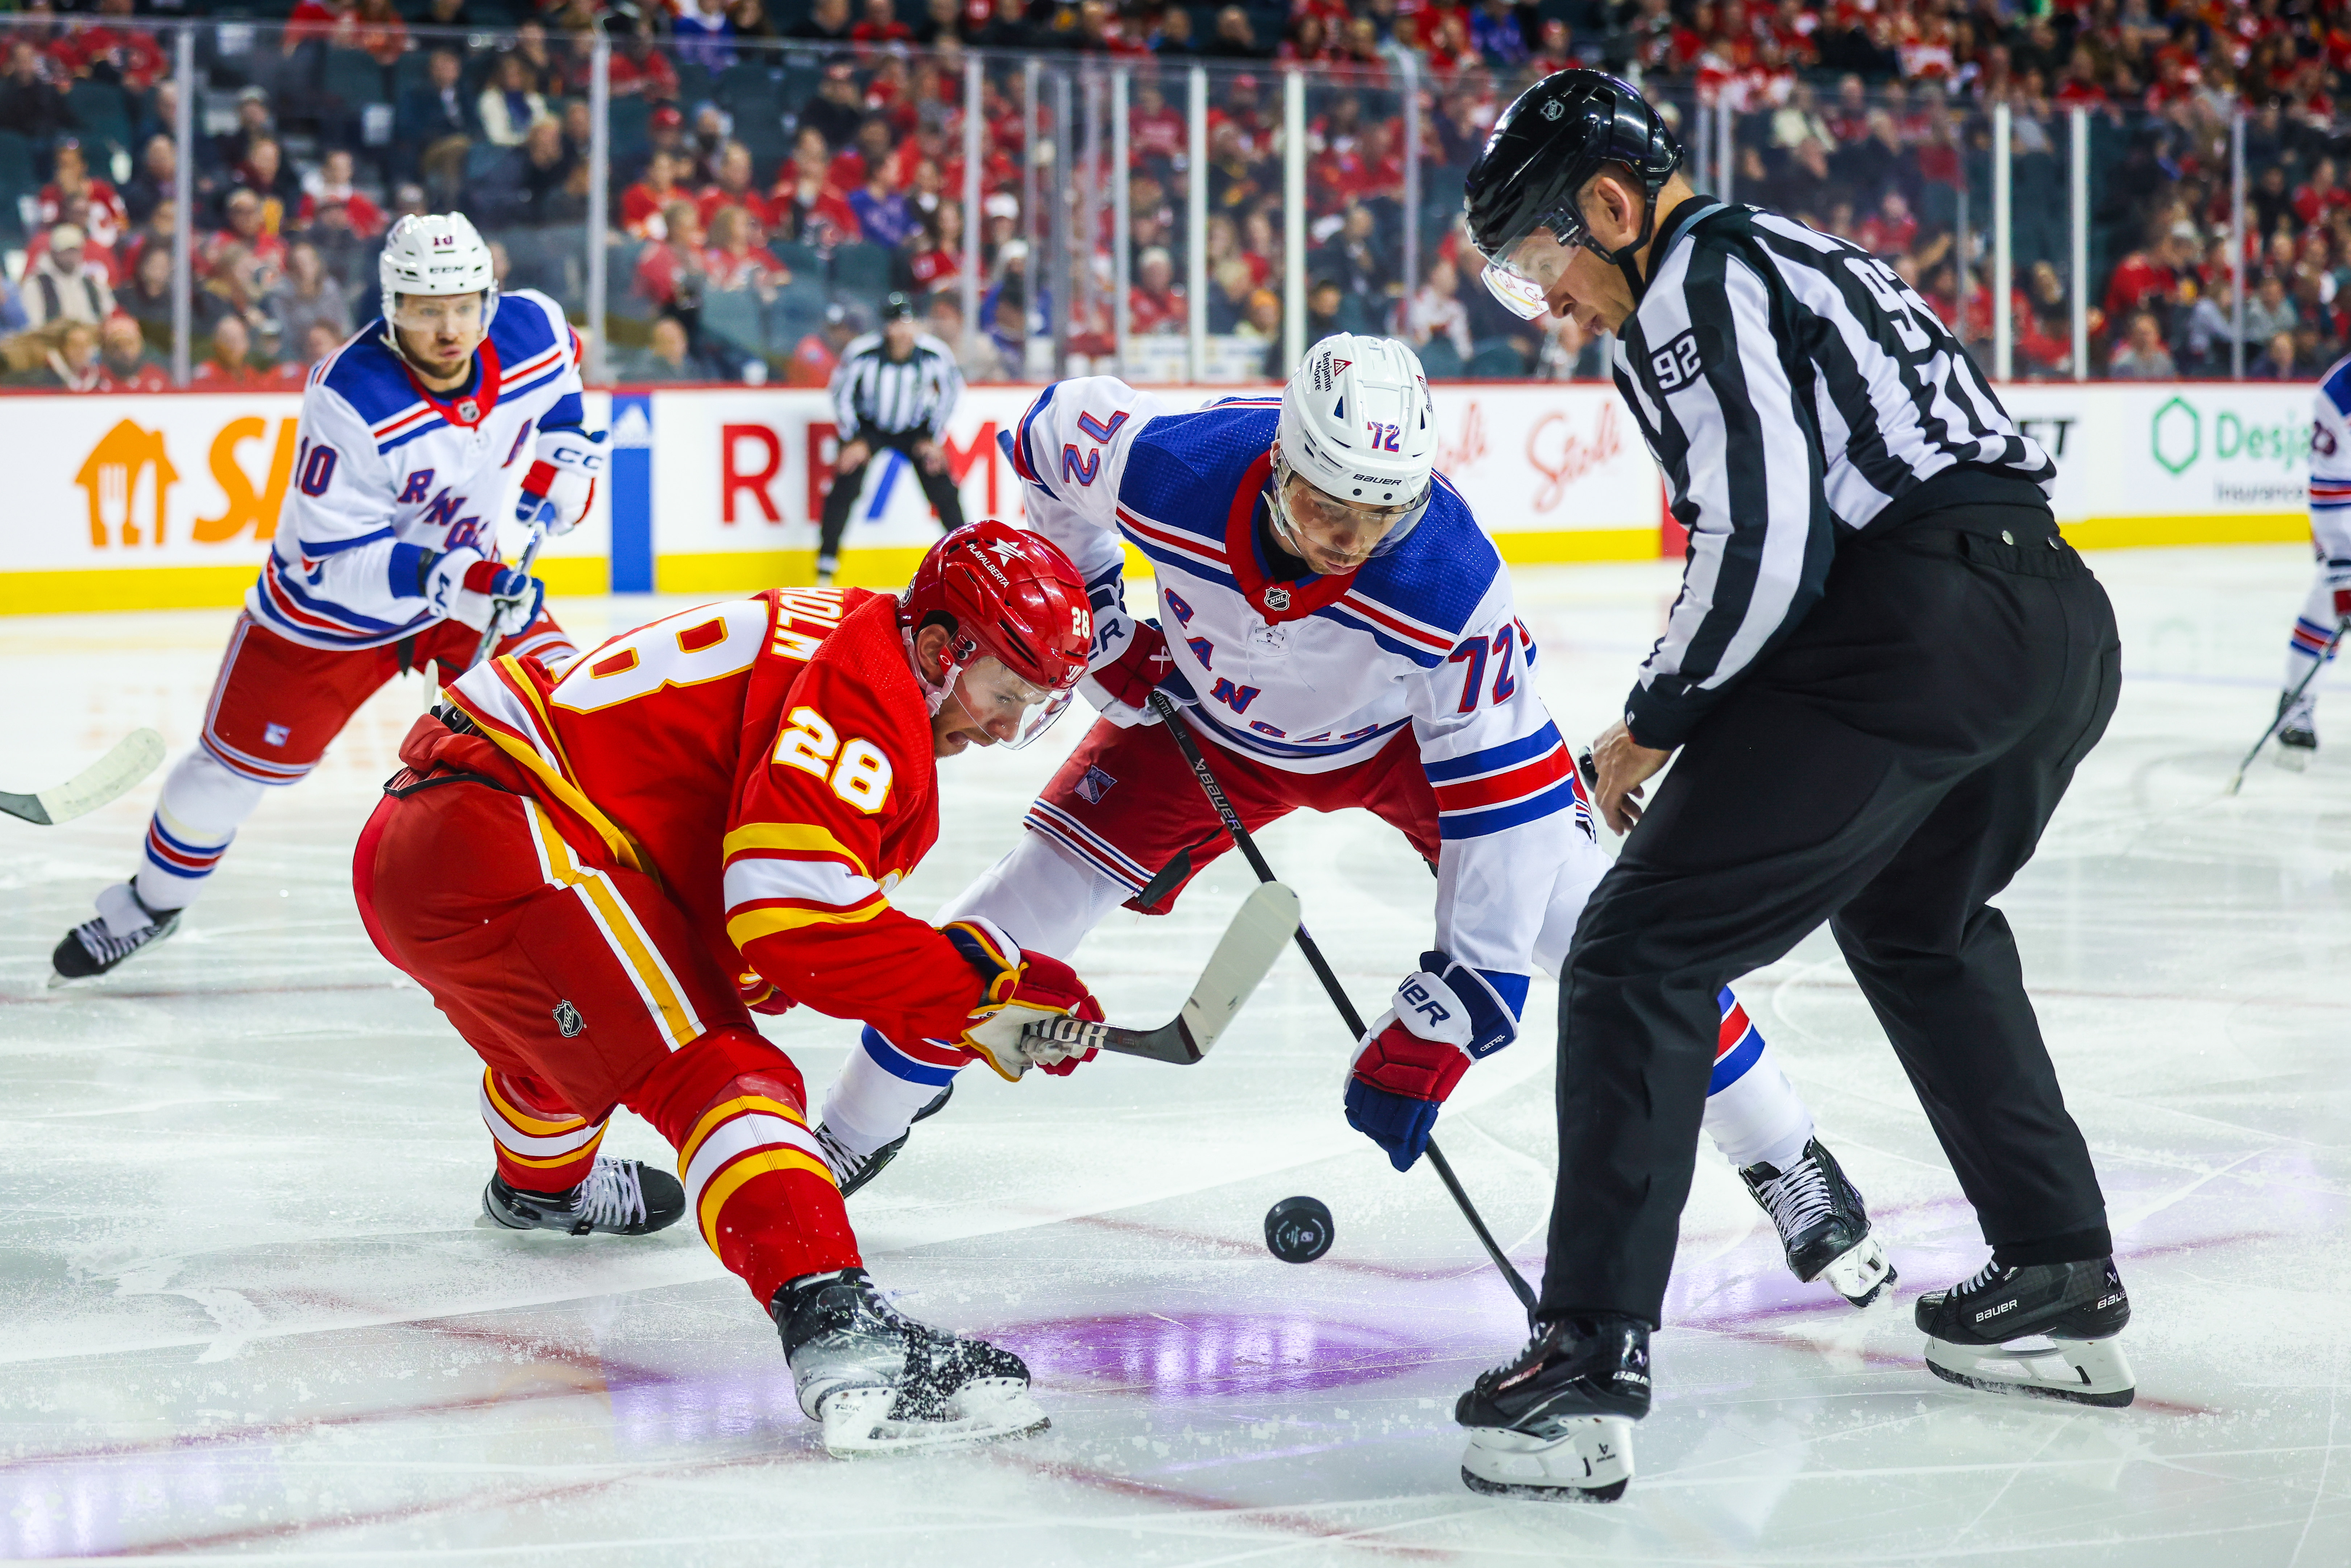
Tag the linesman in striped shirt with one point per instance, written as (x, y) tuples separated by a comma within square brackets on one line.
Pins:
[(895, 391), (1882, 669)]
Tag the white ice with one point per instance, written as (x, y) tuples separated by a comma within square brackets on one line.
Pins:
[(247, 1308)]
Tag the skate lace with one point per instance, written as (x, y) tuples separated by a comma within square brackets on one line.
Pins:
[(1982, 1277), (613, 1195), (1798, 1200), (844, 1164), (104, 945)]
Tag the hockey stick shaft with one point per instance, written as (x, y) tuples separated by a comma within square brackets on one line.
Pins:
[(1168, 715), (131, 759), (491, 632), (2286, 707)]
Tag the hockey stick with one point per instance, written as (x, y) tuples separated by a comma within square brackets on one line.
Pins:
[(1165, 709), (2286, 707), (497, 617), (1268, 918), (133, 758)]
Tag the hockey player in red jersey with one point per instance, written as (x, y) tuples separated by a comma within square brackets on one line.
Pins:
[(598, 872)]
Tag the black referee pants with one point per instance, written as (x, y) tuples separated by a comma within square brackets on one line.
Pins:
[(841, 499), (1887, 769)]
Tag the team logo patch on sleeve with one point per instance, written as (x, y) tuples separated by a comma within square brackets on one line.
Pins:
[(1094, 786)]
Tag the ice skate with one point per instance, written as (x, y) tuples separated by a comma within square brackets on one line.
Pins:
[(2045, 1329), (619, 1197), (2297, 732), (125, 925), (880, 1383), (1822, 1224), (853, 1170), (1557, 1422)]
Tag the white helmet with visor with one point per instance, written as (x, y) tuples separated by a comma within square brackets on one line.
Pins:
[(1359, 425), (434, 255)]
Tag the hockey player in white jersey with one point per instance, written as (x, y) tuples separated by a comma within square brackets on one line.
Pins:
[(386, 550), (1339, 632), (2317, 630)]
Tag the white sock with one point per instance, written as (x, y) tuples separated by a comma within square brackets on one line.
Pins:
[(868, 1105), (1759, 1119)]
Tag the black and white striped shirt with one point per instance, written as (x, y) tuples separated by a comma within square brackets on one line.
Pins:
[(1792, 387), (876, 397)]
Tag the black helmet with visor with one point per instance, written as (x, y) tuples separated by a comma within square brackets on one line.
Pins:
[(1549, 145)]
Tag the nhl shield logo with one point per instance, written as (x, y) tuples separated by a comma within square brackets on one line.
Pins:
[(568, 1019), (469, 410), (1553, 110), (1277, 599)]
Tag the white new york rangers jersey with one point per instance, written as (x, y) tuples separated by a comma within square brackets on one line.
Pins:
[(386, 472), (2330, 464), (1321, 673)]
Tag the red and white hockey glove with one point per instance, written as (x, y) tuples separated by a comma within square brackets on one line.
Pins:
[(1121, 686), (560, 484), (464, 585), (1022, 989), (1445, 1016)]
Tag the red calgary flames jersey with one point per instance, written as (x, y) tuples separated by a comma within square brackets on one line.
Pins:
[(769, 760)]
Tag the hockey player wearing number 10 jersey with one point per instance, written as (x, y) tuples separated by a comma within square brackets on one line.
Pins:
[(599, 870), (1340, 632), (412, 434)]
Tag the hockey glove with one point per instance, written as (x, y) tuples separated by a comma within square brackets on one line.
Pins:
[(464, 585), (560, 483), (1022, 989), (1444, 1018), (1121, 686)]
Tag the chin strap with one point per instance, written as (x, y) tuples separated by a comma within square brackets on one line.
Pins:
[(1625, 258)]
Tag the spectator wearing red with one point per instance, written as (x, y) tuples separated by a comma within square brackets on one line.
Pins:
[(934, 253), (737, 258), (815, 356), (641, 70), (229, 367), (2320, 198), (809, 208), (245, 228), (732, 187), (264, 173), (642, 204), (1891, 230), (2150, 277), (332, 181), (105, 261), (132, 53), (1157, 305), (124, 365), (880, 25), (107, 219), (677, 259)]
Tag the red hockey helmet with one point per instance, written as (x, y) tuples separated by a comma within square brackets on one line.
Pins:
[(1012, 595)]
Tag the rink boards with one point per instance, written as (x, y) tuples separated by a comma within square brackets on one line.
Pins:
[(169, 500)]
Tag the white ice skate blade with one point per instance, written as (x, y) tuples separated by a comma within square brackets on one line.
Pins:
[(857, 1422), (1863, 1272), (2084, 1371), (1593, 1461)]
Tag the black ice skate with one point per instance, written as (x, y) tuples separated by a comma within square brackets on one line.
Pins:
[(619, 1197), (124, 926), (883, 1383), (2297, 732), (1558, 1421), (2045, 1329), (853, 1170), (1822, 1224)]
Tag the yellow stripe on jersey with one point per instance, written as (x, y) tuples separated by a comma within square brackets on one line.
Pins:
[(753, 924), (548, 1162), (805, 837), (558, 779), (523, 1121), (735, 1107), (723, 1185), (618, 922)]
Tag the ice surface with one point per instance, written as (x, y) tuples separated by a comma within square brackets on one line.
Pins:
[(247, 1307)]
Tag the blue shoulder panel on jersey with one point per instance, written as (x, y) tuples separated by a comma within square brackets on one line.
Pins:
[(1021, 454), (1440, 571), (1184, 469), (2337, 385), (369, 376)]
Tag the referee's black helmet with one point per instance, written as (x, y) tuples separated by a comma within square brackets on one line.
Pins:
[(1547, 145)]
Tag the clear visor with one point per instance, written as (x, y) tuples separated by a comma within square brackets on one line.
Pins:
[(437, 314), (1009, 710), (1523, 277), (1317, 528)]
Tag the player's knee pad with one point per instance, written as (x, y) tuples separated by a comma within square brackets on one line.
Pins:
[(203, 801), (727, 1063)]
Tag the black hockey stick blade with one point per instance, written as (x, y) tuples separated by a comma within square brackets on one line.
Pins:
[(1244, 956), (133, 758)]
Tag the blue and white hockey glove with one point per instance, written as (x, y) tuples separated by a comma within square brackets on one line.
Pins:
[(1444, 1016), (464, 585), (560, 484)]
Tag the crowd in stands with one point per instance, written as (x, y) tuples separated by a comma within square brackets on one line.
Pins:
[(778, 166)]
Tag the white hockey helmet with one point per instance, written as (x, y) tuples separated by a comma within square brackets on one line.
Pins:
[(436, 253), (1358, 424)]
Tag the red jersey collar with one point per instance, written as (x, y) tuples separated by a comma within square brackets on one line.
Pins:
[(1275, 601), (467, 410)]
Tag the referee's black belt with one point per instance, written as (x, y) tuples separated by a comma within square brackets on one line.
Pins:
[(2021, 539)]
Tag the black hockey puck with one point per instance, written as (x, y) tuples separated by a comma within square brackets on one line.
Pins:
[(1298, 1229)]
